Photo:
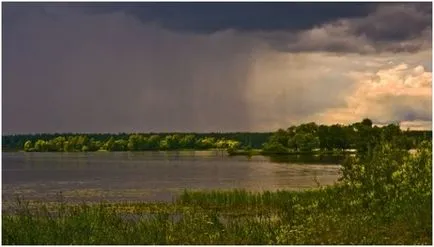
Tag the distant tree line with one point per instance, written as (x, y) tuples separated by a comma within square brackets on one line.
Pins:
[(302, 138), (71, 142), (134, 142), (361, 136)]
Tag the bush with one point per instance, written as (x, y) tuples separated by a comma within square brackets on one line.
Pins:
[(389, 177), (275, 147)]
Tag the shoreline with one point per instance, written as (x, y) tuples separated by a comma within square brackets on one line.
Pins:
[(239, 152)]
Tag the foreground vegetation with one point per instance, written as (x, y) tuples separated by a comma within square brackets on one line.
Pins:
[(384, 197)]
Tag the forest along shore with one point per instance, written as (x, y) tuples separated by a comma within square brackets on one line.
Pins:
[(307, 138)]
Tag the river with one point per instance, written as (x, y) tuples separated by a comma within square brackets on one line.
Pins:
[(154, 176)]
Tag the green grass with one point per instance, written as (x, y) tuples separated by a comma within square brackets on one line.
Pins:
[(324, 216)]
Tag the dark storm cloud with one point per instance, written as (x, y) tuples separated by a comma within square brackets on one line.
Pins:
[(291, 26), (110, 73), (352, 27), (203, 17), (214, 17), (395, 27), (395, 22)]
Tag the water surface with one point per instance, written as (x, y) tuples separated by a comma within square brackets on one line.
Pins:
[(154, 175)]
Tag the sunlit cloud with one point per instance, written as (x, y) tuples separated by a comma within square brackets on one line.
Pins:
[(397, 94)]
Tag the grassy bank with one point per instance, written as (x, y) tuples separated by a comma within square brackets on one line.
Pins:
[(384, 197), (325, 216)]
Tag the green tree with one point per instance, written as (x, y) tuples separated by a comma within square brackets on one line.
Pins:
[(310, 128), (365, 137), (306, 142), (221, 144), (133, 142), (325, 138), (170, 142), (154, 142), (231, 144), (338, 137), (142, 143), (80, 142), (120, 145), (367, 122), (281, 137), (67, 147), (28, 146), (274, 147), (93, 145), (205, 143), (187, 141), (292, 144), (58, 143), (174, 141), (390, 132), (164, 145), (72, 140), (41, 146), (109, 144)]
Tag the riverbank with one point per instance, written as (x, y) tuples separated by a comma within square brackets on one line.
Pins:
[(238, 152), (330, 215)]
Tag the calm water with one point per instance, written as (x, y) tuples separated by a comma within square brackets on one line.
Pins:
[(154, 175)]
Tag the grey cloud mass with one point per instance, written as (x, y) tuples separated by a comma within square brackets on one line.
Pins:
[(394, 23), (390, 28), (74, 68), (404, 108)]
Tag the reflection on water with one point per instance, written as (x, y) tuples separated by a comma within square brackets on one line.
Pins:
[(155, 175)]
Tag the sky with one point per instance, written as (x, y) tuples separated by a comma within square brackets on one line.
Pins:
[(213, 67)]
